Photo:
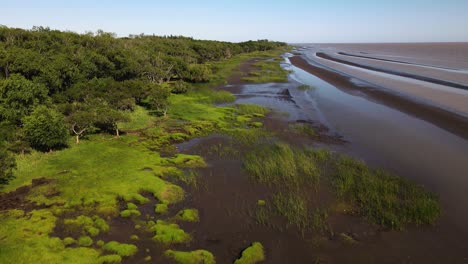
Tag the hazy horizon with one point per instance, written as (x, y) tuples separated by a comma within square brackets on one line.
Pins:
[(300, 21)]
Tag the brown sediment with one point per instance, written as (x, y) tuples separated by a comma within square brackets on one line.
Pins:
[(398, 73), (452, 122), (17, 199)]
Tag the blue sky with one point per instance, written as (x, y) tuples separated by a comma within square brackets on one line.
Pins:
[(239, 20)]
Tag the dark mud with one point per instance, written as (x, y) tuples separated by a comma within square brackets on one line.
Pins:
[(17, 199), (444, 119)]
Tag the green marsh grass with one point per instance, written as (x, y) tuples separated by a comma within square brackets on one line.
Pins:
[(383, 198), (267, 71)]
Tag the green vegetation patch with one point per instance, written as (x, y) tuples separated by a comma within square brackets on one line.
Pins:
[(97, 173), (85, 225), (161, 208), (85, 241), (139, 118), (384, 198), (30, 232), (123, 250), (281, 165), (109, 259), (267, 71), (193, 257), (251, 109), (188, 215), (251, 255), (168, 233)]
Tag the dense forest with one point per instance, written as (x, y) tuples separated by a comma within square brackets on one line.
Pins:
[(54, 84)]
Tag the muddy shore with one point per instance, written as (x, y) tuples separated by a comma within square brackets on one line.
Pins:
[(444, 119)]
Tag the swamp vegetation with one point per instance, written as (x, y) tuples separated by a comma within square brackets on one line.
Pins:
[(90, 168)]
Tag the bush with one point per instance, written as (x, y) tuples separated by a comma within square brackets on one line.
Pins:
[(45, 129), (7, 165)]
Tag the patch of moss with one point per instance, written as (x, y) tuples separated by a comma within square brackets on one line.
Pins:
[(86, 225), (85, 241), (130, 213), (109, 259), (167, 233), (251, 255), (132, 206), (68, 241), (188, 215), (188, 161), (161, 208), (256, 124), (251, 109), (123, 250), (192, 257)]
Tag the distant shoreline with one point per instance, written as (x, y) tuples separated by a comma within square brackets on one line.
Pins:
[(444, 119)]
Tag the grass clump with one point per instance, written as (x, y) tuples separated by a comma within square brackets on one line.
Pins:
[(161, 208), (167, 233), (68, 241), (251, 109), (281, 165), (131, 211), (86, 225), (85, 241), (123, 250), (109, 259), (188, 215), (192, 257), (251, 255), (385, 199)]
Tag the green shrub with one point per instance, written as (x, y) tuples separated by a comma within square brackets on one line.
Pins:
[(45, 129)]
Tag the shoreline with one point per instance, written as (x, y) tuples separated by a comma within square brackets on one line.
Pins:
[(447, 120), (397, 73)]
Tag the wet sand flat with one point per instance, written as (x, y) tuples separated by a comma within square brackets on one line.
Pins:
[(431, 92)]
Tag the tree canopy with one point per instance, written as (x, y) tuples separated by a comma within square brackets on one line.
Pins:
[(91, 79)]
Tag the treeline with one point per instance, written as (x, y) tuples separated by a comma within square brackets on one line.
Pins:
[(55, 83)]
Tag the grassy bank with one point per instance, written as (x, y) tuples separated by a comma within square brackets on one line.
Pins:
[(88, 182)]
